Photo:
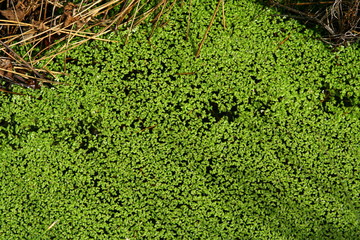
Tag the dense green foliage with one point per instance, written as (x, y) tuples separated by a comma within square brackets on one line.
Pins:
[(260, 142)]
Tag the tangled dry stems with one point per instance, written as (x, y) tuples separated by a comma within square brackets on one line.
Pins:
[(49, 28), (340, 18)]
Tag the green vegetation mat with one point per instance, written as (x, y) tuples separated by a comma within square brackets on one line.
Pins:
[(256, 139)]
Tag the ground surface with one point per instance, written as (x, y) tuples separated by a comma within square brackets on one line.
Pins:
[(256, 139)]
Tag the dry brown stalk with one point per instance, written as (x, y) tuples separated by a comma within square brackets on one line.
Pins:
[(208, 29)]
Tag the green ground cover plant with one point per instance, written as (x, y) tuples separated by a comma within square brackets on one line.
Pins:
[(258, 138)]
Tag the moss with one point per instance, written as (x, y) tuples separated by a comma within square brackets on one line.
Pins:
[(259, 141)]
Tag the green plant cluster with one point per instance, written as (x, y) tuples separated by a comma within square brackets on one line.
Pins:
[(256, 139)]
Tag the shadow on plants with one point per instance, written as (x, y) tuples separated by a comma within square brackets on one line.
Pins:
[(3, 125), (335, 97), (291, 209), (217, 114)]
